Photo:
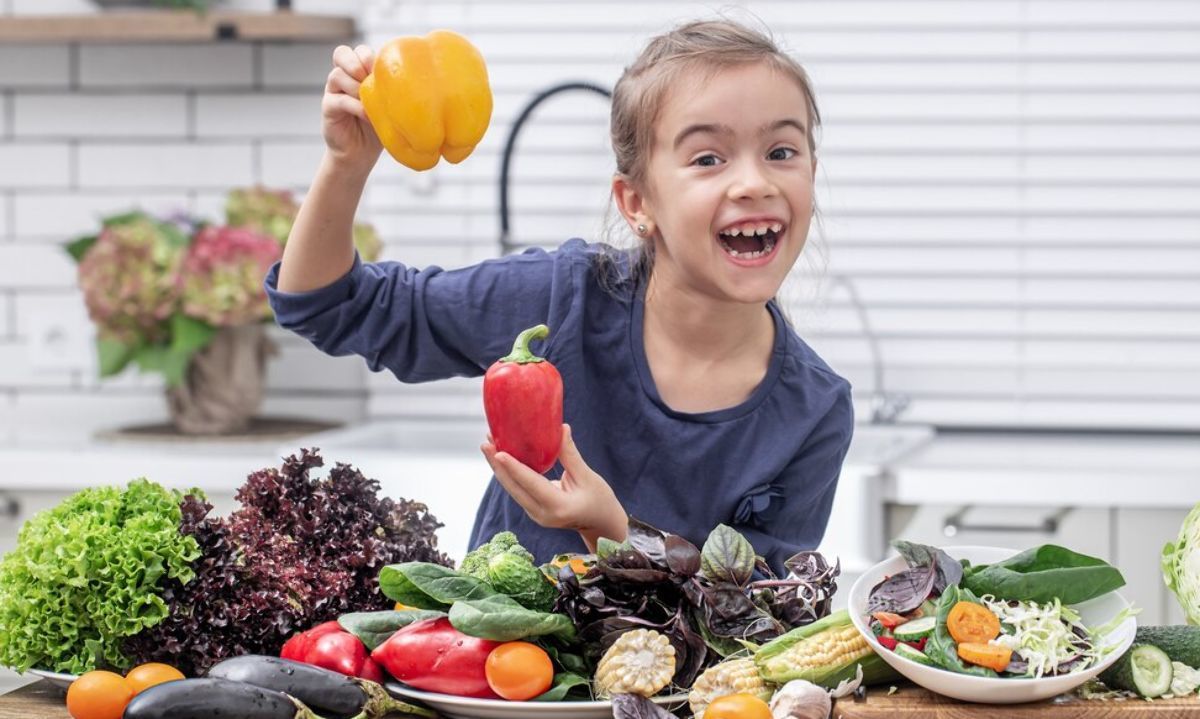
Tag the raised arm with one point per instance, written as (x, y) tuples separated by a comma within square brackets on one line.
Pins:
[(320, 248)]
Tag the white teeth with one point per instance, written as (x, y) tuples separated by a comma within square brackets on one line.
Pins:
[(776, 228), (750, 231), (734, 232)]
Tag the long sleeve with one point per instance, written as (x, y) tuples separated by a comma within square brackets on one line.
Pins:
[(791, 514), (431, 323)]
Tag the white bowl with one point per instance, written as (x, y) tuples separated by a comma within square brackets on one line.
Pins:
[(1094, 613)]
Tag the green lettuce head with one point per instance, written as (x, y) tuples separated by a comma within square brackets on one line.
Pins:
[(1181, 566)]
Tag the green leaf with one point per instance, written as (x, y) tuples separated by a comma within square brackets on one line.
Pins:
[(429, 586), (190, 335), (727, 557), (374, 628), (1043, 573), (113, 356), (606, 547), (501, 619), (564, 682), (157, 358), (79, 247), (941, 647), (123, 218)]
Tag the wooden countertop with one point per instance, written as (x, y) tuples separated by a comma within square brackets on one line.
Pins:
[(42, 700)]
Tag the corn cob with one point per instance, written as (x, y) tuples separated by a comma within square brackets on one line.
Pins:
[(739, 676), (825, 653), (641, 661)]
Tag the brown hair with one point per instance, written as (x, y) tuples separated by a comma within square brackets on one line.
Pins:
[(708, 46)]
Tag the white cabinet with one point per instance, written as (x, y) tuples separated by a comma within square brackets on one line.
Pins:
[(1140, 536)]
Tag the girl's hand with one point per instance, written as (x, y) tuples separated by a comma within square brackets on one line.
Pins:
[(348, 133), (581, 500)]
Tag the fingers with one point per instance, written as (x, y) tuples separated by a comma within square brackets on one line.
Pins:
[(339, 81), (569, 455), (334, 104), (352, 61), (367, 56)]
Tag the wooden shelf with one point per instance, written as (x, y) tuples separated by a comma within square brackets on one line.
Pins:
[(176, 26)]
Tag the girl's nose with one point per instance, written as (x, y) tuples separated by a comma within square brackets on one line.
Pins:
[(751, 182)]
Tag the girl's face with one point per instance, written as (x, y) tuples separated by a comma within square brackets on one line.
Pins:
[(730, 184)]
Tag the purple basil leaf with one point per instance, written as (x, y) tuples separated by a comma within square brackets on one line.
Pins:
[(635, 706), (902, 593), (683, 559)]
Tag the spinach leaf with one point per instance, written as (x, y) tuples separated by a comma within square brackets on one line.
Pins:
[(949, 571), (429, 586), (941, 647), (1043, 573), (563, 683), (500, 618), (374, 628)]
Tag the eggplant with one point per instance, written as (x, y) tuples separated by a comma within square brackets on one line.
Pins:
[(330, 694), (213, 699), (326, 692)]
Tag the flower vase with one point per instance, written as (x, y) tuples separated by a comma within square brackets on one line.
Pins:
[(224, 384)]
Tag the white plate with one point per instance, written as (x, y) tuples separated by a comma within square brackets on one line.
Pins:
[(468, 708), (1095, 612), (62, 681)]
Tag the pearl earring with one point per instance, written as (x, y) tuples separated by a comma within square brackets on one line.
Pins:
[(641, 229)]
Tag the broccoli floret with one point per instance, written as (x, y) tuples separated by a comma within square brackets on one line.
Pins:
[(509, 568)]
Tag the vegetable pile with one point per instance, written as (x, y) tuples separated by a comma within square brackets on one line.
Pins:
[(298, 552)]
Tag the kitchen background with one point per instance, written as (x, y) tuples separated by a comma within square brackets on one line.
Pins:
[(1009, 264)]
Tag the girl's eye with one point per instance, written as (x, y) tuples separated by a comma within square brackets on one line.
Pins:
[(781, 153), (706, 161)]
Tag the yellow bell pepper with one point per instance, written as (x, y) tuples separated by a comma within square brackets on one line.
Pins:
[(428, 98)]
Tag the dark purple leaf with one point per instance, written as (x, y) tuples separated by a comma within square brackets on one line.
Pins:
[(635, 706), (903, 592), (683, 559)]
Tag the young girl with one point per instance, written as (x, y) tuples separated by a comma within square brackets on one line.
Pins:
[(689, 400)]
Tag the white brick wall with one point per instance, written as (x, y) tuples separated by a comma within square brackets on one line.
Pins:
[(92, 130)]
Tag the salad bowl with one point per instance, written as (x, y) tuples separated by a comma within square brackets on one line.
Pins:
[(1094, 613)]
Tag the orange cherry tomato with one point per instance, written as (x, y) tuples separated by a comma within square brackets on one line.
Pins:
[(519, 671), (98, 695), (144, 676), (985, 655), (971, 622), (738, 706)]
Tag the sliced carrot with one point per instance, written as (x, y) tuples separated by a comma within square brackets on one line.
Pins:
[(889, 620), (971, 622), (985, 655)]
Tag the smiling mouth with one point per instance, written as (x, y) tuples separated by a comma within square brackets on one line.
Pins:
[(748, 246)]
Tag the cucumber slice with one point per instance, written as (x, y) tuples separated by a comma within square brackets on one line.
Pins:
[(1144, 669), (916, 629), (913, 653)]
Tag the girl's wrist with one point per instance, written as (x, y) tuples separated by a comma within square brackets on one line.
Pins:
[(345, 168), (614, 525)]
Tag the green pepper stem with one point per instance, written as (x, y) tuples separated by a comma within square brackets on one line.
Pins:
[(520, 350)]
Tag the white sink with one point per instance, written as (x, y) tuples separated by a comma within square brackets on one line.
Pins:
[(438, 462)]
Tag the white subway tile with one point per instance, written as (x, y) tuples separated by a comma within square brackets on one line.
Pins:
[(64, 309), (18, 369), (301, 65), (6, 214), (85, 115), (178, 66), (267, 115), (59, 216), (165, 165), (41, 66), (30, 165), (304, 367), (25, 265), (6, 314), (291, 164)]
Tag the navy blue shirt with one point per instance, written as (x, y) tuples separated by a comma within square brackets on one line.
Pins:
[(768, 466)]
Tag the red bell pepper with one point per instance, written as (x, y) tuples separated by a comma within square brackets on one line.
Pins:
[(432, 655), (523, 401), (331, 647)]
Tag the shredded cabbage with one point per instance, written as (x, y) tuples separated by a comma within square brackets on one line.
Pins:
[(1185, 680), (1042, 634)]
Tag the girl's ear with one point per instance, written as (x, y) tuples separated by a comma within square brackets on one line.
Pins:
[(632, 204)]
